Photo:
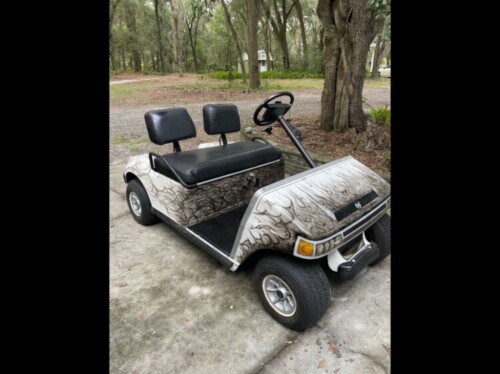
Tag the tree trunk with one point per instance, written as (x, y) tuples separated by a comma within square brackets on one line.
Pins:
[(153, 62), (195, 43), (284, 50), (192, 45), (123, 59), (161, 60), (178, 48), (267, 41), (377, 56), (113, 4), (236, 40), (252, 25), (112, 58), (305, 53), (349, 28), (279, 23), (130, 20)]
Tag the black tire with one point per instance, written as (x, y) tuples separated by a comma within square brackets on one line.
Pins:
[(139, 195), (380, 233), (308, 285)]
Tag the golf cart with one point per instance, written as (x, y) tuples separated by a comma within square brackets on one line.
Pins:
[(234, 202)]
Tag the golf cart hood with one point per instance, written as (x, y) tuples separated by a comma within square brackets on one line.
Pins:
[(314, 204)]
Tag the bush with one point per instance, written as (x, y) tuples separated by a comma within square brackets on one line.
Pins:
[(225, 75), (290, 74), (274, 74), (381, 116)]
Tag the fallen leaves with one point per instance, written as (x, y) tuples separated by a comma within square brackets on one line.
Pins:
[(120, 285), (322, 363), (371, 148)]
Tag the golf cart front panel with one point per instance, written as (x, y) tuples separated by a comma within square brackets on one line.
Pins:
[(188, 207), (316, 205)]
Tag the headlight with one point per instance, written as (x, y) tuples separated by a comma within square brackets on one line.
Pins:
[(316, 248)]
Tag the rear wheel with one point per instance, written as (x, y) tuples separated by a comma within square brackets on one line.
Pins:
[(296, 294), (380, 233), (139, 203)]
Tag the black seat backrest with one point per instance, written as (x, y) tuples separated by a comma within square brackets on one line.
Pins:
[(221, 119), (169, 125)]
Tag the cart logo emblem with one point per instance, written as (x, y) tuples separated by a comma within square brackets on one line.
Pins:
[(358, 205)]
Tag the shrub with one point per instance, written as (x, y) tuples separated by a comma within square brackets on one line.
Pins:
[(290, 74), (225, 75), (381, 116), (274, 74)]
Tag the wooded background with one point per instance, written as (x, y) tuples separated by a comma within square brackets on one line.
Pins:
[(330, 38)]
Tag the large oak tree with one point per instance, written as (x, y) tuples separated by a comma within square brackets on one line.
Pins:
[(349, 28)]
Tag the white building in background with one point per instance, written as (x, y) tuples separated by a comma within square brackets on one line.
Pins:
[(262, 61)]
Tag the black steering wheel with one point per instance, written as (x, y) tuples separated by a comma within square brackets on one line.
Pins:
[(273, 110)]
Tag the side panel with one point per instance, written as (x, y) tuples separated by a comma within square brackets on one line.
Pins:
[(187, 207), (305, 204)]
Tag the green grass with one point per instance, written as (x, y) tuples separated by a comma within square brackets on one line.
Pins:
[(132, 144), (265, 84), (215, 85), (273, 74), (291, 84), (117, 91), (378, 83), (124, 93)]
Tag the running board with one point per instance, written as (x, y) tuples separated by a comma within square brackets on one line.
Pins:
[(197, 240)]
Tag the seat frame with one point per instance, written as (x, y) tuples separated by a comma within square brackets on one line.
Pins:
[(218, 119)]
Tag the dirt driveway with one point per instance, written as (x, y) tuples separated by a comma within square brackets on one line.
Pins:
[(128, 135)]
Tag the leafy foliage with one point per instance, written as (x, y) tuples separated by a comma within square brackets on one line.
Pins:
[(225, 75), (290, 74), (380, 7), (157, 36), (381, 116), (274, 74)]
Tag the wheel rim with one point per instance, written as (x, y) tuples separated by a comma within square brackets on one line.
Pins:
[(135, 204), (279, 295)]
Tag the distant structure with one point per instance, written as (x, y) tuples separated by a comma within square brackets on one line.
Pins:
[(262, 61)]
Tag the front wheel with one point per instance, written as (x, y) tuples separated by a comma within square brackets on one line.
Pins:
[(294, 293), (380, 233)]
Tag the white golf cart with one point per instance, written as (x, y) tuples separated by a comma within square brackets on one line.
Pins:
[(234, 202)]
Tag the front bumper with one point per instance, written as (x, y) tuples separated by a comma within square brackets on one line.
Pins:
[(366, 253)]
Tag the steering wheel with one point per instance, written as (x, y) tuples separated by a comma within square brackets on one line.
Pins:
[(273, 110)]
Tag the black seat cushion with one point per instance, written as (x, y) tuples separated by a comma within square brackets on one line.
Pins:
[(169, 125), (200, 165)]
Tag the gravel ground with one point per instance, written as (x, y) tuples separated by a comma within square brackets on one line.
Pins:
[(128, 134)]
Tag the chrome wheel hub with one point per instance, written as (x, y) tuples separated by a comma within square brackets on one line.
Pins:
[(135, 203), (279, 295)]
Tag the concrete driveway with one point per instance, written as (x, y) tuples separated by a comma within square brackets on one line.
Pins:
[(174, 309)]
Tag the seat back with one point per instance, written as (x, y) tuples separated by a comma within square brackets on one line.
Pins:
[(221, 119), (169, 125)]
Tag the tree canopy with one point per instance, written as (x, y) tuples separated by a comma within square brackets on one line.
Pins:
[(328, 37)]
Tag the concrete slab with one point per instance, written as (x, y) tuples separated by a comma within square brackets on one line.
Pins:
[(117, 206), (354, 334), (174, 309)]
